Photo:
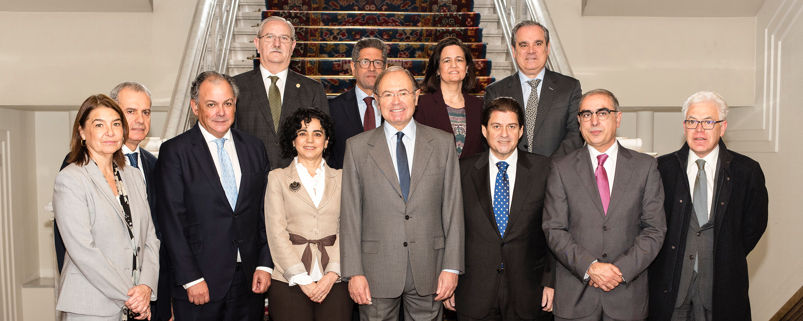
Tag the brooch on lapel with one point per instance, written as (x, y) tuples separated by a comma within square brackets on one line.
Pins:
[(294, 186), (298, 85)]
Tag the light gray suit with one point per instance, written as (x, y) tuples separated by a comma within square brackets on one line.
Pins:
[(578, 232), (380, 233), (97, 267)]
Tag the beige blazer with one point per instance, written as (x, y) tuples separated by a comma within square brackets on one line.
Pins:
[(97, 265), (293, 211)]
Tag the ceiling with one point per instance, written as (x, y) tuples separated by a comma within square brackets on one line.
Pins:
[(672, 8), (77, 5)]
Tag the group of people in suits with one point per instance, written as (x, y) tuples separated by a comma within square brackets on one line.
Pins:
[(400, 201)]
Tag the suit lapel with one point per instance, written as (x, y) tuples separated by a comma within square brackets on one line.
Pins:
[(519, 193), (203, 156), (378, 150), (260, 98), (544, 100), (353, 110), (514, 87), (722, 187), (291, 176), (292, 91), (245, 164), (330, 188), (482, 186), (585, 171), (622, 177), (99, 180), (421, 156)]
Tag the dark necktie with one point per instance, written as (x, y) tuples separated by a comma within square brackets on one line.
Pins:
[(602, 182), (275, 100), (369, 120), (133, 159), (530, 113), (403, 168), (501, 199)]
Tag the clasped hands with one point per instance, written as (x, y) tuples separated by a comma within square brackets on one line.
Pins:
[(604, 276), (317, 291), (139, 301)]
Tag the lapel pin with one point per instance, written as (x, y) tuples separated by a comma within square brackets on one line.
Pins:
[(294, 186), (550, 88), (298, 85)]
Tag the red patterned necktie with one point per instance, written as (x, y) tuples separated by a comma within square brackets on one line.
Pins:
[(602, 182)]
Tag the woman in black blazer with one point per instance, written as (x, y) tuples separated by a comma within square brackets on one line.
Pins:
[(446, 104)]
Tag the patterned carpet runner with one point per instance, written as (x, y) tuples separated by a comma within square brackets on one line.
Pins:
[(327, 30)]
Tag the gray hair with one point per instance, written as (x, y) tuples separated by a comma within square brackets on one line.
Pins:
[(369, 42), (604, 92), (394, 69), (277, 18), (527, 23), (133, 85), (211, 75), (707, 96)]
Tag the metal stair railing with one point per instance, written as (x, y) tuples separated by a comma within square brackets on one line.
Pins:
[(207, 48)]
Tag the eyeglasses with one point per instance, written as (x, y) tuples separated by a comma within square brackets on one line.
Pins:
[(707, 124), (404, 93), (365, 63), (602, 114), (282, 38)]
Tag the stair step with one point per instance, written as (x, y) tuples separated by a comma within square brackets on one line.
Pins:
[(335, 85), (423, 34), (372, 5), (342, 66), (395, 49), (367, 18)]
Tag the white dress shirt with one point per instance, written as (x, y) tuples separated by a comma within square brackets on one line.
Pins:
[(315, 186), (511, 161), (361, 107), (610, 163), (710, 171), (228, 145), (279, 83), (127, 151), (526, 88)]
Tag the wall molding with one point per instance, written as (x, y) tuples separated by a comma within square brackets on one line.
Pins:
[(8, 279), (756, 128)]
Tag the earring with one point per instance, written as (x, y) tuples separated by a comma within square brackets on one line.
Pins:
[(83, 142)]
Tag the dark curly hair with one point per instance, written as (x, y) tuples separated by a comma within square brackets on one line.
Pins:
[(432, 82), (292, 124)]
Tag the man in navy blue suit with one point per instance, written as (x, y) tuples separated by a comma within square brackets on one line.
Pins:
[(349, 110), (211, 180)]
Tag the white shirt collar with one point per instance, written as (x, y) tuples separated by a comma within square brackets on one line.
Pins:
[(511, 160), (409, 130), (265, 73), (524, 79), (612, 151), (209, 138), (127, 150)]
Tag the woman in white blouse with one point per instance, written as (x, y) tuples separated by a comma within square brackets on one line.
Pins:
[(302, 215)]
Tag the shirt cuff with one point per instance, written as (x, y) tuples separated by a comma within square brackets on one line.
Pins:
[(188, 285), (586, 276), (300, 279), (452, 271), (265, 268)]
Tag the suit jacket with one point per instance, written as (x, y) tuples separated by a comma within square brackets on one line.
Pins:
[(293, 211), (431, 111), (200, 230), (378, 228), (253, 114), (740, 217), (97, 267), (347, 121), (556, 128), (523, 250), (578, 232)]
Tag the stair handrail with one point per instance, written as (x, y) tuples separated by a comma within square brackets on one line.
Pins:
[(536, 11), (207, 48)]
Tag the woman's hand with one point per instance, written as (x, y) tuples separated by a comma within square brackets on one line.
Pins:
[(139, 300), (324, 286)]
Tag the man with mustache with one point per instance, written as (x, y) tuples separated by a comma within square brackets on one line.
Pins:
[(550, 99), (272, 92), (356, 110)]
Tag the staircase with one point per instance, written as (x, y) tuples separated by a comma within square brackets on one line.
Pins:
[(327, 30)]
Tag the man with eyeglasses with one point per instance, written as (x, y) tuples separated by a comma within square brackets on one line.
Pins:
[(272, 92), (356, 110), (401, 212), (716, 212), (603, 220), (550, 99)]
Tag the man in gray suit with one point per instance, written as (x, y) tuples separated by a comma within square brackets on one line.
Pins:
[(603, 219), (273, 92), (401, 223), (549, 99)]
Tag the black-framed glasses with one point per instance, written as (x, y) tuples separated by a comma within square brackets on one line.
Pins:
[(602, 114), (282, 38), (365, 63), (707, 124)]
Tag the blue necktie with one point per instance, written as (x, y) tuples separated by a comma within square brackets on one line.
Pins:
[(132, 159), (226, 173), (501, 197), (403, 168)]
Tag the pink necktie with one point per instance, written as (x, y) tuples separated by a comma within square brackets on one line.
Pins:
[(602, 182), (369, 120)]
